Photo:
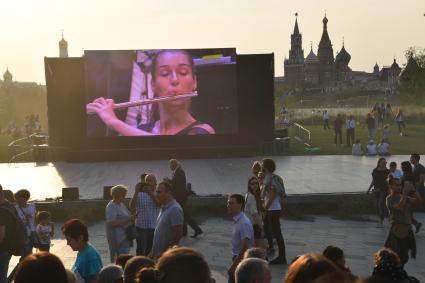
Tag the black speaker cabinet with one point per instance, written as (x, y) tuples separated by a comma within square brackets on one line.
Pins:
[(70, 193)]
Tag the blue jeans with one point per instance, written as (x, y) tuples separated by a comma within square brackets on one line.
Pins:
[(4, 266), (144, 241)]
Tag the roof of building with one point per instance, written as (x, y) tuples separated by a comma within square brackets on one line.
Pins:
[(7, 76), (343, 56)]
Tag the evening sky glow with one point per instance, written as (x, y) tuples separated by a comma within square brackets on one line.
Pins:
[(374, 30)]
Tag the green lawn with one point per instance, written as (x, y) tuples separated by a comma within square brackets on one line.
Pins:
[(413, 142)]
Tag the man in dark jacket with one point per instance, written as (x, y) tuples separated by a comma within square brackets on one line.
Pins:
[(180, 193)]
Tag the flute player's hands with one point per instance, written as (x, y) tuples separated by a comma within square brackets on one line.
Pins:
[(104, 108)]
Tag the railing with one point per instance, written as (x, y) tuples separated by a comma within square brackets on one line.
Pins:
[(24, 147), (301, 134)]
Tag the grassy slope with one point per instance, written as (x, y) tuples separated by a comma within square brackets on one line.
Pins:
[(413, 142)]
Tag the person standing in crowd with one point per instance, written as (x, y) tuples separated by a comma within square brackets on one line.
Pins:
[(242, 234), (380, 185), (388, 112), (418, 175), (357, 149), (396, 173), (118, 218), (146, 207), (408, 177), (273, 193), (180, 193), (169, 225), (88, 262), (399, 118), (386, 133), (338, 130), (8, 225), (45, 230), (26, 212), (256, 168), (370, 122), (253, 210), (326, 120), (253, 270), (350, 127), (399, 203)]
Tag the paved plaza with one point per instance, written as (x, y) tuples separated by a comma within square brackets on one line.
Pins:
[(359, 240), (302, 175)]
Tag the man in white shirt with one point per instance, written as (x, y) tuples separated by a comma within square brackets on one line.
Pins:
[(242, 234), (326, 120), (350, 125)]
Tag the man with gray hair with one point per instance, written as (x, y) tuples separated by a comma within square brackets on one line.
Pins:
[(253, 270)]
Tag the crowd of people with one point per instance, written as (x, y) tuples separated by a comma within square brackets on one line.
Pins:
[(377, 119), (156, 218), (399, 193)]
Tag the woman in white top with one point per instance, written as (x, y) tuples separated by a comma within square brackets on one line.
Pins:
[(26, 212), (253, 209), (118, 218)]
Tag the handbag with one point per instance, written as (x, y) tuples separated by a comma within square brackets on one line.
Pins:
[(130, 230), (33, 238)]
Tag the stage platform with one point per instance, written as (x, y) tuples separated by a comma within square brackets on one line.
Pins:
[(302, 175)]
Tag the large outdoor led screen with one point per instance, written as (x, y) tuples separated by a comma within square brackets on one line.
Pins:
[(161, 92)]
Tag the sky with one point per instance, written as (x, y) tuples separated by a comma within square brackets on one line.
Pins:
[(374, 30)]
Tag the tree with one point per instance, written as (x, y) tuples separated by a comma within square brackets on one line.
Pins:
[(412, 78)]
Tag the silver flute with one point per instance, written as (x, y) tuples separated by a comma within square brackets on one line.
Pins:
[(151, 101)]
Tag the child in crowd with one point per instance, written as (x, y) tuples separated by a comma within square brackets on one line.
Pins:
[(45, 230)]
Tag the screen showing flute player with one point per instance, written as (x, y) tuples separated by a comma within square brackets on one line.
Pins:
[(161, 92)]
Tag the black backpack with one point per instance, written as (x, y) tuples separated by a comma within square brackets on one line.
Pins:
[(19, 234)]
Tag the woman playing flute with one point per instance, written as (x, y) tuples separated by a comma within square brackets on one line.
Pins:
[(172, 74)]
